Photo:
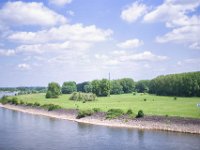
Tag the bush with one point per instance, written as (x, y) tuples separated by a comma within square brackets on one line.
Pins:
[(175, 98), (79, 96), (36, 104), (4, 100), (96, 110), (84, 113), (14, 101), (140, 114), (134, 93), (21, 102), (114, 113), (29, 104), (145, 99), (51, 107), (49, 94), (129, 112)]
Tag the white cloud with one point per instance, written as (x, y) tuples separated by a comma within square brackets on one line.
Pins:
[(53, 47), (132, 43), (76, 32), (184, 34), (133, 12), (23, 66), (184, 28), (60, 2), (70, 12), (171, 10), (195, 45), (144, 56), (32, 13), (8, 52), (122, 57)]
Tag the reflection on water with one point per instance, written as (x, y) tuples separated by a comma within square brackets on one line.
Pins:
[(21, 131)]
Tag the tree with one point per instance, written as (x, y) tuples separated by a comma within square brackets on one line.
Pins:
[(96, 87), (142, 86), (116, 87), (80, 86), (128, 85), (183, 84), (53, 90), (104, 87), (69, 87), (88, 88)]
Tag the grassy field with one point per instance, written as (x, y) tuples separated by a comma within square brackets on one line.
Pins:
[(154, 105)]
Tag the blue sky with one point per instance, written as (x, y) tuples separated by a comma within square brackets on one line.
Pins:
[(62, 40)]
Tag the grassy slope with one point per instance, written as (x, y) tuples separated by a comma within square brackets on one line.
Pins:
[(155, 105)]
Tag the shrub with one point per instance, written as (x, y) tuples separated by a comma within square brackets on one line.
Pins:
[(36, 104), (21, 102), (96, 110), (4, 100), (79, 96), (14, 101), (175, 98), (51, 107), (129, 112), (84, 113), (140, 114), (134, 93), (49, 94), (114, 113), (29, 104), (145, 99)]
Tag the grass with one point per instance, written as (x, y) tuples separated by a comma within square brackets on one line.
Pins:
[(153, 105)]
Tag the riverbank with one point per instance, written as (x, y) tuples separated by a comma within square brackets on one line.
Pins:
[(175, 124)]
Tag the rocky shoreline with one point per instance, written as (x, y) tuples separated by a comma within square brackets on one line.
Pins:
[(175, 124)]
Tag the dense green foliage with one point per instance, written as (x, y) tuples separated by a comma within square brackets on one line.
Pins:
[(51, 107), (101, 87), (184, 84), (88, 88), (128, 85), (53, 90), (80, 86), (116, 87), (142, 86), (79, 96), (84, 113), (140, 114), (69, 87), (6, 100), (114, 113)]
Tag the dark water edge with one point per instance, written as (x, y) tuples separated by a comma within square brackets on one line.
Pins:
[(20, 131)]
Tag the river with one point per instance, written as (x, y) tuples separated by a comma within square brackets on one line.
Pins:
[(20, 131)]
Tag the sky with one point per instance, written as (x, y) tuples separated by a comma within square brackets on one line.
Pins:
[(82, 40)]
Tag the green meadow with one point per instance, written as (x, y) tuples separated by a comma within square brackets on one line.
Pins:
[(150, 104)]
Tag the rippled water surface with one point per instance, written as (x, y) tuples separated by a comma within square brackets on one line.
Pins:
[(20, 131)]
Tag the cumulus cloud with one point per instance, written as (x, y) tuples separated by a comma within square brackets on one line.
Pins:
[(131, 43), (30, 13), (23, 66), (8, 52), (75, 32), (60, 2), (185, 28), (53, 47), (124, 57), (133, 12)]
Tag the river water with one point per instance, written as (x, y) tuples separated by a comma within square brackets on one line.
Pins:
[(20, 131)]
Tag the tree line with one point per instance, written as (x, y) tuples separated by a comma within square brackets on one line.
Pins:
[(184, 84), (102, 87)]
